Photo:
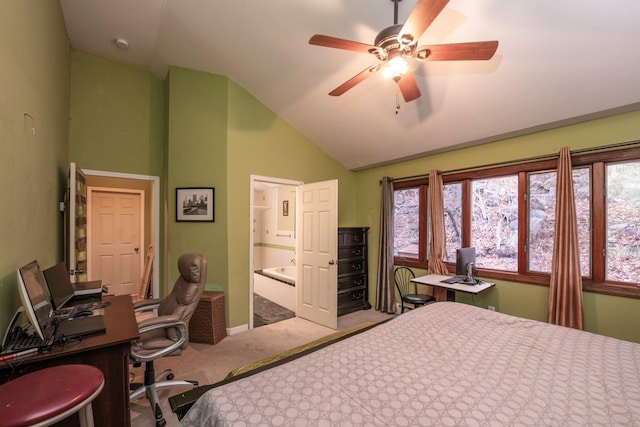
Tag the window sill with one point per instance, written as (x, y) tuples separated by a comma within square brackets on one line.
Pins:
[(610, 289), (627, 291)]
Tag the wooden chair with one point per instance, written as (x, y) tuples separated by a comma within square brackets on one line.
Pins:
[(409, 290), (145, 281)]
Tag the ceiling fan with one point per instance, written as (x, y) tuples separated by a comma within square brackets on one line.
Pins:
[(397, 42)]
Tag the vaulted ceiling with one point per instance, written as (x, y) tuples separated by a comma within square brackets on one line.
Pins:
[(558, 62)]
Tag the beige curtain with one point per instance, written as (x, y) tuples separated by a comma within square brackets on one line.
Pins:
[(437, 234), (565, 288), (385, 290)]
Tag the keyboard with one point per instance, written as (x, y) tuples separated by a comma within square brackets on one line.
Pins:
[(460, 281), (67, 312), (25, 342)]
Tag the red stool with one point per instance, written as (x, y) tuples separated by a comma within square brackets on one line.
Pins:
[(49, 395)]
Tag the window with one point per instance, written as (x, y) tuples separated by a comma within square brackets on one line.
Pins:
[(452, 219), (542, 211), (406, 223), (494, 222), (542, 216), (508, 214), (623, 222)]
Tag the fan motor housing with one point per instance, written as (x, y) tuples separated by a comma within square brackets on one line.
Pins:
[(387, 40)]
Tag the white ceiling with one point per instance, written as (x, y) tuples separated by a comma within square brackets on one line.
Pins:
[(558, 62)]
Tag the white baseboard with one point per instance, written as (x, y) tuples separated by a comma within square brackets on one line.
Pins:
[(237, 329)]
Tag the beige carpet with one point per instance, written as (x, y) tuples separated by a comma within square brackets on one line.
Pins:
[(211, 363)]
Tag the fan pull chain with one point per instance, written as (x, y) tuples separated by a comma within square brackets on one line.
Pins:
[(397, 101)]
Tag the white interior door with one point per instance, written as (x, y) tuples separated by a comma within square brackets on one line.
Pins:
[(317, 249), (152, 222), (116, 238)]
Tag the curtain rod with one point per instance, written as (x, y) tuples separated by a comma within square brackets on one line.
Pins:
[(543, 157)]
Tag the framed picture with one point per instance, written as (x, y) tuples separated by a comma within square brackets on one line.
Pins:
[(195, 204)]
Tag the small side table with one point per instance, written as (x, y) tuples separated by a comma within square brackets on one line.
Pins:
[(451, 288), (208, 324)]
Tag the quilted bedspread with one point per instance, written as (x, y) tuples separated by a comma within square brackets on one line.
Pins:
[(443, 364)]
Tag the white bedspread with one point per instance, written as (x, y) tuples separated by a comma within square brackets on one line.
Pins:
[(439, 365)]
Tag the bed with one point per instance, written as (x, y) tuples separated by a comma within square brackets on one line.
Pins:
[(442, 364)]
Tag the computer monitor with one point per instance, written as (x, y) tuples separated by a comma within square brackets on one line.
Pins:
[(59, 285), (34, 296), (465, 262)]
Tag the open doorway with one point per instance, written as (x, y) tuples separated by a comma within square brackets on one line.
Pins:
[(272, 241), (149, 187)]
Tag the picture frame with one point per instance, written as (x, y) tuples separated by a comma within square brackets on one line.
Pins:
[(195, 204)]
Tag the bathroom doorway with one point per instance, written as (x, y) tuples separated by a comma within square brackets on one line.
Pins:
[(272, 259)]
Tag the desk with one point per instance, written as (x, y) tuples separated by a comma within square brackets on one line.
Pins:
[(452, 288), (108, 351)]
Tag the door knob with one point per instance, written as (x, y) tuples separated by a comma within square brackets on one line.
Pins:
[(136, 249), (332, 262)]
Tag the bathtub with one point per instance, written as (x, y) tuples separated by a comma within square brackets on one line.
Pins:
[(286, 274), (281, 290)]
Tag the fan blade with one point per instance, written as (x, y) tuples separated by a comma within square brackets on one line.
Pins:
[(422, 15), (409, 87), (328, 41), (470, 51), (354, 81)]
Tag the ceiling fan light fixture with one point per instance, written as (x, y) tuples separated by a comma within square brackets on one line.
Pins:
[(395, 68), (422, 53), (396, 44), (388, 38)]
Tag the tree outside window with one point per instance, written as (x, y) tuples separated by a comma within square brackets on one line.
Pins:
[(542, 218), (406, 223), (494, 222), (623, 222), (452, 219)]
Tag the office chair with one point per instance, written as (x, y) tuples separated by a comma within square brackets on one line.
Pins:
[(409, 290), (167, 333)]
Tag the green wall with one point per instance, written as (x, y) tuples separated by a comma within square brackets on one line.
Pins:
[(220, 135), (604, 314), (217, 135), (197, 157), (34, 81), (117, 121), (117, 124), (261, 143)]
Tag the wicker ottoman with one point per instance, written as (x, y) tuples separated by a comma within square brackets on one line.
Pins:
[(208, 324)]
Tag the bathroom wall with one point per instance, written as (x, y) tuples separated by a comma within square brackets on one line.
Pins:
[(274, 233)]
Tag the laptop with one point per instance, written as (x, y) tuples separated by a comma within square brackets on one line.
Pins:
[(66, 294), (81, 326), (43, 328)]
